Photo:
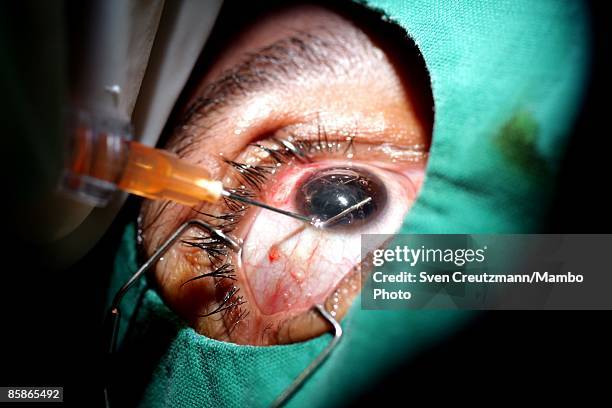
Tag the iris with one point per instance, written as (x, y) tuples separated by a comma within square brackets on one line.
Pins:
[(330, 191)]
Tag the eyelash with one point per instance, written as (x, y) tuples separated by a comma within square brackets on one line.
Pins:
[(254, 177), (252, 180)]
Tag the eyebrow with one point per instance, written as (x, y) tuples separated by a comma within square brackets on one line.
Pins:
[(302, 54)]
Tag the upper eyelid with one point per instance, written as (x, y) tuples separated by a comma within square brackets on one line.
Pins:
[(254, 176)]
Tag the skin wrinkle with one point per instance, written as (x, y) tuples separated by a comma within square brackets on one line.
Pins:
[(287, 60)]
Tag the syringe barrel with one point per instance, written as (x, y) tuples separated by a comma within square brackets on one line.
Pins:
[(96, 155)]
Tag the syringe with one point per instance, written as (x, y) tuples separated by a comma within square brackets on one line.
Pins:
[(101, 162)]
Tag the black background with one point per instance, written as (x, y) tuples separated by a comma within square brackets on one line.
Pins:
[(51, 321)]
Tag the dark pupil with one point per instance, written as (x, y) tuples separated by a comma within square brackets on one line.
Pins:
[(333, 190)]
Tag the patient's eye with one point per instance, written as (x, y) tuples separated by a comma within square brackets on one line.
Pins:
[(290, 266), (306, 113)]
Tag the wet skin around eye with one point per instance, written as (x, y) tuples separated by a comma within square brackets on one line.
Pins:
[(360, 124)]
